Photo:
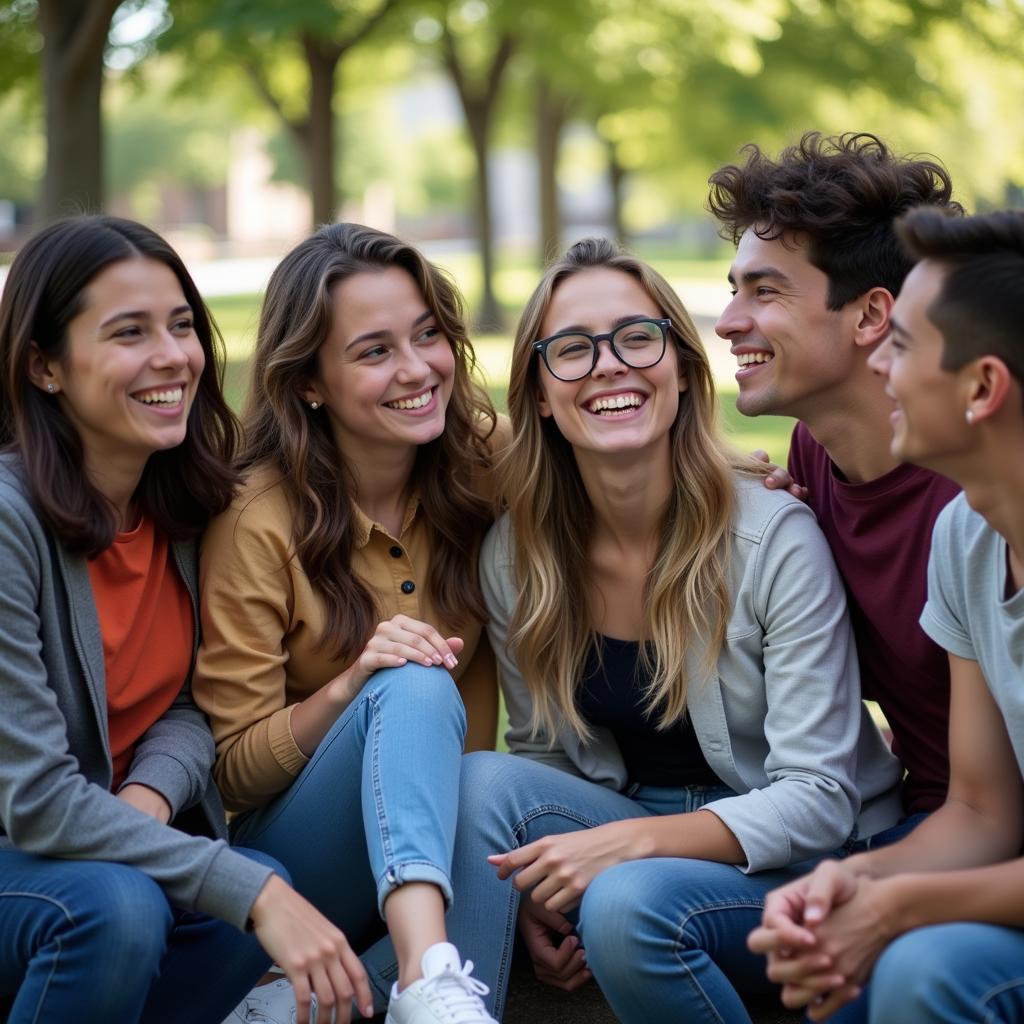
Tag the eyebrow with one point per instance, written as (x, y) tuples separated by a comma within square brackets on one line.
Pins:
[(581, 329), (374, 335), (142, 314), (760, 274)]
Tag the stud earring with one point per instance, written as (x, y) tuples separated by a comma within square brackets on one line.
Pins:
[(50, 388), (314, 405), (969, 416)]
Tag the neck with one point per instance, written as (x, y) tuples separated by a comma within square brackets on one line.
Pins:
[(992, 476), (117, 479), (383, 479), (628, 493), (854, 428)]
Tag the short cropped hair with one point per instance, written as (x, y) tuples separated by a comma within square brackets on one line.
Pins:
[(841, 193), (980, 307)]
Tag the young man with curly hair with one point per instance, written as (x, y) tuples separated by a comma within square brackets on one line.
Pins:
[(816, 273)]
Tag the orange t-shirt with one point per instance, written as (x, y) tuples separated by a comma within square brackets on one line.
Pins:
[(146, 622)]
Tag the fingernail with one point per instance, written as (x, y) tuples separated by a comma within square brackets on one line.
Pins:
[(451, 661)]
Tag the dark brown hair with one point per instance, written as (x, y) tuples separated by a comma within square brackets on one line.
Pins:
[(181, 487), (282, 431), (840, 193), (980, 306)]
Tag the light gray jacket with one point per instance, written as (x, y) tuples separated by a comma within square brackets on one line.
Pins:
[(55, 765), (781, 721)]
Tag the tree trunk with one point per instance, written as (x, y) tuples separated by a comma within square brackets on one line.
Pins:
[(478, 107), (74, 36), (551, 112), (616, 183), (322, 60)]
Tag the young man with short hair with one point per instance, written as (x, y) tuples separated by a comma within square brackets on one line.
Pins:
[(939, 916), (816, 272)]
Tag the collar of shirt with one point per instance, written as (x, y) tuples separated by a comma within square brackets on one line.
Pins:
[(363, 525)]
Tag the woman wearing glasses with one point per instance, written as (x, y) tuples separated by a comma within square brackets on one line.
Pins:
[(683, 698)]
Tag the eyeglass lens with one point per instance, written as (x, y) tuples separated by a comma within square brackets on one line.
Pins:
[(638, 345)]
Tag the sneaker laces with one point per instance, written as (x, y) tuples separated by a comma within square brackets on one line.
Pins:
[(459, 995)]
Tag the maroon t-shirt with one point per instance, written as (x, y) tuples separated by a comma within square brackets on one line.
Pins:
[(880, 534)]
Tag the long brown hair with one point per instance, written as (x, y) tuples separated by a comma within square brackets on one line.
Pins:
[(180, 487), (686, 595), (281, 431)]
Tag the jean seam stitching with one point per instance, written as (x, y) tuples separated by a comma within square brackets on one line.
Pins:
[(383, 831), (989, 1015)]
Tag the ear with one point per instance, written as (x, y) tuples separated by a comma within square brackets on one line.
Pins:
[(40, 370), (874, 310), (989, 381), (311, 393)]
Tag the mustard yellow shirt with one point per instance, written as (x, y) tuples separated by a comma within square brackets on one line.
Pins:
[(262, 621)]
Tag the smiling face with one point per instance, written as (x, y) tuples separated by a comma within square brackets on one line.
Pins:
[(385, 371), (616, 408), (793, 351), (131, 366), (928, 421)]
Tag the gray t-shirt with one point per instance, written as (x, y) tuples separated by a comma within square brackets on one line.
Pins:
[(967, 611)]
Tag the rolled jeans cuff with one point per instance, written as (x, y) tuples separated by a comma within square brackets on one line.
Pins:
[(412, 871)]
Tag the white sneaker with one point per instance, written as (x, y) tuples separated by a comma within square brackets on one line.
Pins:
[(266, 1004), (446, 994)]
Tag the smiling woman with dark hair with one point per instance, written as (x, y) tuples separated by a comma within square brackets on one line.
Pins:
[(119, 898)]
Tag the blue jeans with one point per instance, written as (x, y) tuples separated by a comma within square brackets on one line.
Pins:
[(95, 942), (375, 807), (666, 938), (962, 973)]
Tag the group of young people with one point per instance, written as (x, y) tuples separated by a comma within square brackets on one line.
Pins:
[(303, 618)]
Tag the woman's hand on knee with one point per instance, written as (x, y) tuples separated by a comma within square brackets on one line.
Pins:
[(396, 642), (314, 955), (564, 965)]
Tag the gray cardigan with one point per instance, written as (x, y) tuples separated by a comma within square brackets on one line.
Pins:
[(781, 721), (55, 764)]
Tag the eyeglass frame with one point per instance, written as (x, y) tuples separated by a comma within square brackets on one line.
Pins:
[(541, 347)]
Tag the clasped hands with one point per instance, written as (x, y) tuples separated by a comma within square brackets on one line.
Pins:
[(822, 935)]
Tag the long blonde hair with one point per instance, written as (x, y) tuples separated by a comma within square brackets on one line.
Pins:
[(686, 594)]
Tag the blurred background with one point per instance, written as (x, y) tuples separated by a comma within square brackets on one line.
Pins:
[(490, 132)]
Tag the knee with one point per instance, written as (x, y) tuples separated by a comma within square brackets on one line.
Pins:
[(429, 694), (125, 915), (913, 979), (485, 781), (614, 917)]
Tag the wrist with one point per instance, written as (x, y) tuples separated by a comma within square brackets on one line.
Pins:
[(341, 690), (904, 904)]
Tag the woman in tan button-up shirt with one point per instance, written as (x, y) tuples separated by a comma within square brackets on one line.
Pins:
[(342, 617)]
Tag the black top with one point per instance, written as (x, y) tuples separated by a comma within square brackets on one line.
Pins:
[(611, 695)]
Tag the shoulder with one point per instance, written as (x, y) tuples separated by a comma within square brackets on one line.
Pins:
[(958, 531), (758, 510), (15, 503), (260, 511)]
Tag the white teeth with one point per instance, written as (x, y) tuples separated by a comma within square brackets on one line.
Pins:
[(615, 402), (755, 357), (170, 397), (412, 403)]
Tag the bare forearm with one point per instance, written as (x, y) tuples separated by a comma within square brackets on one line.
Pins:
[(956, 836), (993, 895), (313, 717), (699, 834)]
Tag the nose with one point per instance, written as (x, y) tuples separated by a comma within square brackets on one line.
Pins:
[(880, 361), (173, 351), (734, 320), (608, 363), (412, 366)]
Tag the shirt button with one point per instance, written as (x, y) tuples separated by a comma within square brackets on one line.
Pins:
[(396, 552), (408, 587)]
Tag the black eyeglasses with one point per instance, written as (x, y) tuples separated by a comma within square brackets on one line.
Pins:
[(572, 355)]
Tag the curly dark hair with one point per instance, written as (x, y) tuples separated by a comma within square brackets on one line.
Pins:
[(842, 193), (980, 306)]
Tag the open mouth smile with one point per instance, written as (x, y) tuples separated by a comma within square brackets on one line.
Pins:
[(611, 406), (414, 403), (166, 398)]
